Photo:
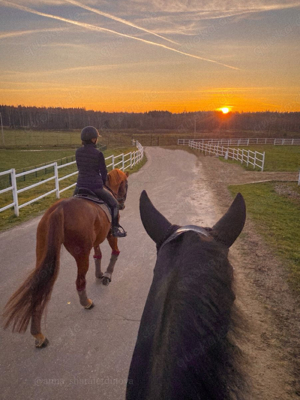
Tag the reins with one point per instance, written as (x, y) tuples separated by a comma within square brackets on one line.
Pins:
[(119, 199)]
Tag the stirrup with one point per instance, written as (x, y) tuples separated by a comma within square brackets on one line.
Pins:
[(118, 231)]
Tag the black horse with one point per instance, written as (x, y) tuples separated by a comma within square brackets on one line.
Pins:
[(185, 347)]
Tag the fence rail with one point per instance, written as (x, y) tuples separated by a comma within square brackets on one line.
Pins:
[(254, 158), (244, 141), (121, 161)]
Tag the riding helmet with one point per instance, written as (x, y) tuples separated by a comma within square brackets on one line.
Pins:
[(88, 133)]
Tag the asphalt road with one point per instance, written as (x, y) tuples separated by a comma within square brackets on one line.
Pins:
[(90, 350)]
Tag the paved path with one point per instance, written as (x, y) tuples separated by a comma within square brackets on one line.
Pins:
[(90, 351)]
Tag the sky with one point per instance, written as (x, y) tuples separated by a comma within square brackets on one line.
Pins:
[(143, 55)]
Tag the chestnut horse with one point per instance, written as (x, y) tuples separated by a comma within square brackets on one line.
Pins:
[(79, 225), (185, 347)]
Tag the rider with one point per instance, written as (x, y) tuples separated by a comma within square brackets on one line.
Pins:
[(92, 174)]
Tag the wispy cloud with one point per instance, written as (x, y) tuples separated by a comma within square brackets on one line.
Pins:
[(210, 8), (114, 18), (101, 29), (185, 18), (48, 72)]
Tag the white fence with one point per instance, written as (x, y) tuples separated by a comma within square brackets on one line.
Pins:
[(248, 157), (244, 141), (122, 161)]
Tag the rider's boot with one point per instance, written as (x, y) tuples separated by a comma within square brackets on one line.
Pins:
[(116, 229)]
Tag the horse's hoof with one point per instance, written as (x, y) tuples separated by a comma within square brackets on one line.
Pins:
[(89, 306), (41, 344), (106, 281)]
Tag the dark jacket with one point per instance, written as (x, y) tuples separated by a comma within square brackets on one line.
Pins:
[(91, 166)]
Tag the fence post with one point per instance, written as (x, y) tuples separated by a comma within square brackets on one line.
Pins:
[(263, 161), (56, 181), (254, 161), (131, 160), (15, 191), (113, 162), (123, 162)]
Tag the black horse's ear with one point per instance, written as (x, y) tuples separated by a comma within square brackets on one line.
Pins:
[(155, 224), (228, 228)]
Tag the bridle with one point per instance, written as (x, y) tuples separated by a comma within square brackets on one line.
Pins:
[(182, 230)]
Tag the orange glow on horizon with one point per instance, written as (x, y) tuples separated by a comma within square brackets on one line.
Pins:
[(224, 110)]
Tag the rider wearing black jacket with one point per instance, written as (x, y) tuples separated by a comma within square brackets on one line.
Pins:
[(92, 174)]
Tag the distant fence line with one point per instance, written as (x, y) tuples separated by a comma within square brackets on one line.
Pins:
[(244, 141), (248, 157), (121, 161)]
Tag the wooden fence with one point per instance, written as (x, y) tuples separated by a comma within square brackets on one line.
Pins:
[(244, 141), (122, 161), (254, 158)]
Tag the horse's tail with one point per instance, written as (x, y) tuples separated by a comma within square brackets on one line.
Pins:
[(35, 292)]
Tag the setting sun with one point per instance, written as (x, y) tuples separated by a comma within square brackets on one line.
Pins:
[(225, 110)]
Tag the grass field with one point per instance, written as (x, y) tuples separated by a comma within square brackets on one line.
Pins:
[(279, 158), (28, 159), (275, 209), (34, 139)]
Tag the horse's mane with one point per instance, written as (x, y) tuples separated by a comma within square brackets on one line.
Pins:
[(116, 177), (196, 323)]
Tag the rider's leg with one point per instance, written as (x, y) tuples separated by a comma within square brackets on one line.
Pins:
[(109, 199)]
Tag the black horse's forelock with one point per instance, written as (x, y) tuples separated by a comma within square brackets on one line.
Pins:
[(191, 312)]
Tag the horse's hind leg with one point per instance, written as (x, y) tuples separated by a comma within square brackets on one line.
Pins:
[(82, 268), (97, 259), (113, 242), (40, 339)]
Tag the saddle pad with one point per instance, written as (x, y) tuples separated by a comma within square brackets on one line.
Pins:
[(96, 200), (106, 210)]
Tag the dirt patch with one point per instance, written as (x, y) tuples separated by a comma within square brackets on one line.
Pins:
[(269, 304)]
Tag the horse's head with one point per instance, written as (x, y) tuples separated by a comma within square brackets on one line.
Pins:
[(118, 184), (185, 347)]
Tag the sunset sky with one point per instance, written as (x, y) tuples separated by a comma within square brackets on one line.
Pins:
[(142, 55)]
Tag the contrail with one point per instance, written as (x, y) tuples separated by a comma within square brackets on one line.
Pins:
[(29, 32), (99, 29), (123, 21)]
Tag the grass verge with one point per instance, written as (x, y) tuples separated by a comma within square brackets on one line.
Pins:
[(275, 209)]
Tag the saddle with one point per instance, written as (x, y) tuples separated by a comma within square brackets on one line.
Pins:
[(88, 194)]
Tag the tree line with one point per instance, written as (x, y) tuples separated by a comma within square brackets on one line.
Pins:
[(49, 118)]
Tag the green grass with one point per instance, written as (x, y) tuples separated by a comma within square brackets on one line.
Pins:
[(36, 139), (280, 158), (27, 159), (8, 219), (275, 209)]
